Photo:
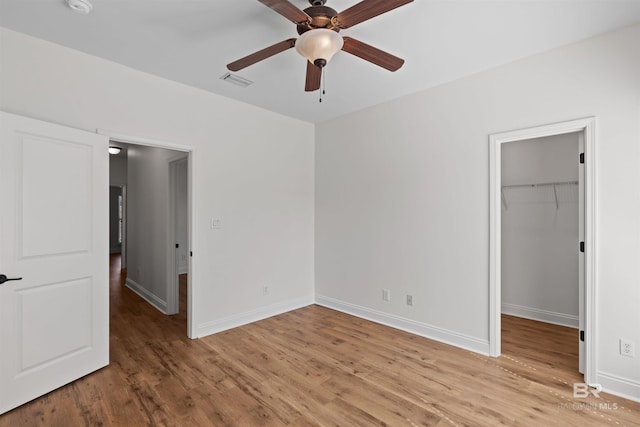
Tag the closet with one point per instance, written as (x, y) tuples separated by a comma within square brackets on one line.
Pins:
[(539, 229)]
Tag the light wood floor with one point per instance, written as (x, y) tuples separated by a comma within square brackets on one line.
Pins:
[(318, 367)]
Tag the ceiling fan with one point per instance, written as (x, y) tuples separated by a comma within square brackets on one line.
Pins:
[(318, 27)]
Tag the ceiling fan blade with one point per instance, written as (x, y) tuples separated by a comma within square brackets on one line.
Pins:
[(261, 54), (367, 9), (372, 54), (314, 73), (286, 9)]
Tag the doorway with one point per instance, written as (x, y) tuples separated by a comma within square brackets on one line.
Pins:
[(585, 129), (152, 267), (116, 219), (540, 254)]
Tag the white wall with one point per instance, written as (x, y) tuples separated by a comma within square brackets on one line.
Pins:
[(253, 168), (402, 192), (148, 222), (539, 238)]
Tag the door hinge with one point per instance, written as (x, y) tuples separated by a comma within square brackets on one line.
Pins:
[(190, 253), (581, 158), (582, 336), (582, 247), (177, 246)]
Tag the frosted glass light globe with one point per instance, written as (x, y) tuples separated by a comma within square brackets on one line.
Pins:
[(319, 45)]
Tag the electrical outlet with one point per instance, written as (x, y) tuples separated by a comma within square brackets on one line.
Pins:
[(409, 299), (386, 295), (265, 290), (626, 348)]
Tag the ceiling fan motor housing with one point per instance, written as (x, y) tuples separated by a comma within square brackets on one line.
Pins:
[(317, 2), (321, 17)]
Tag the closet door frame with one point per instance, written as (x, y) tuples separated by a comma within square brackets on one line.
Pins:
[(587, 128)]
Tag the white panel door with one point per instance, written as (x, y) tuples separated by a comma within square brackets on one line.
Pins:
[(54, 322)]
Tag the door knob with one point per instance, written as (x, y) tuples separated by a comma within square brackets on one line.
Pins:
[(4, 278)]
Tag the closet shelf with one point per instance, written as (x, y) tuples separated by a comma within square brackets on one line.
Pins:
[(537, 185)]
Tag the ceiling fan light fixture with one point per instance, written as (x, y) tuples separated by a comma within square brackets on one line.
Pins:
[(319, 45)]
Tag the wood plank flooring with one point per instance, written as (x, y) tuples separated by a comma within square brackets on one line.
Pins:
[(319, 367)]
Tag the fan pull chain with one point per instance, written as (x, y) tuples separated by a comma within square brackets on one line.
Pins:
[(324, 80), (322, 92)]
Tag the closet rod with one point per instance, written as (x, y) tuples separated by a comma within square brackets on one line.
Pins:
[(539, 184)]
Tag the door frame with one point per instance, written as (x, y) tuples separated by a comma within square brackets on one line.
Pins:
[(123, 243), (111, 225), (587, 126), (192, 285), (123, 249), (173, 263)]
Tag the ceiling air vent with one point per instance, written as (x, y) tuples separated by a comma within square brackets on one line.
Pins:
[(236, 80)]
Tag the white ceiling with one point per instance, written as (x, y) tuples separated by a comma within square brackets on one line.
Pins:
[(191, 41)]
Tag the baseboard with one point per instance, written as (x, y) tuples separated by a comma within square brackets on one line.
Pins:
[(540, 315), (247, 317), (618, 386), (432, 332), (146, 295)]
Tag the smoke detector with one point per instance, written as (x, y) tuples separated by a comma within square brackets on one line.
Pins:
[(83, 7)]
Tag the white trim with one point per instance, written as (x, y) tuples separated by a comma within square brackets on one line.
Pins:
[(546, 316), (588, 126), (192, 285), (495, 246), (140, 140), (123, 249), (422, 329), (173, 283), (619, 386), (247, 317), (591, 285), (143, 293)]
